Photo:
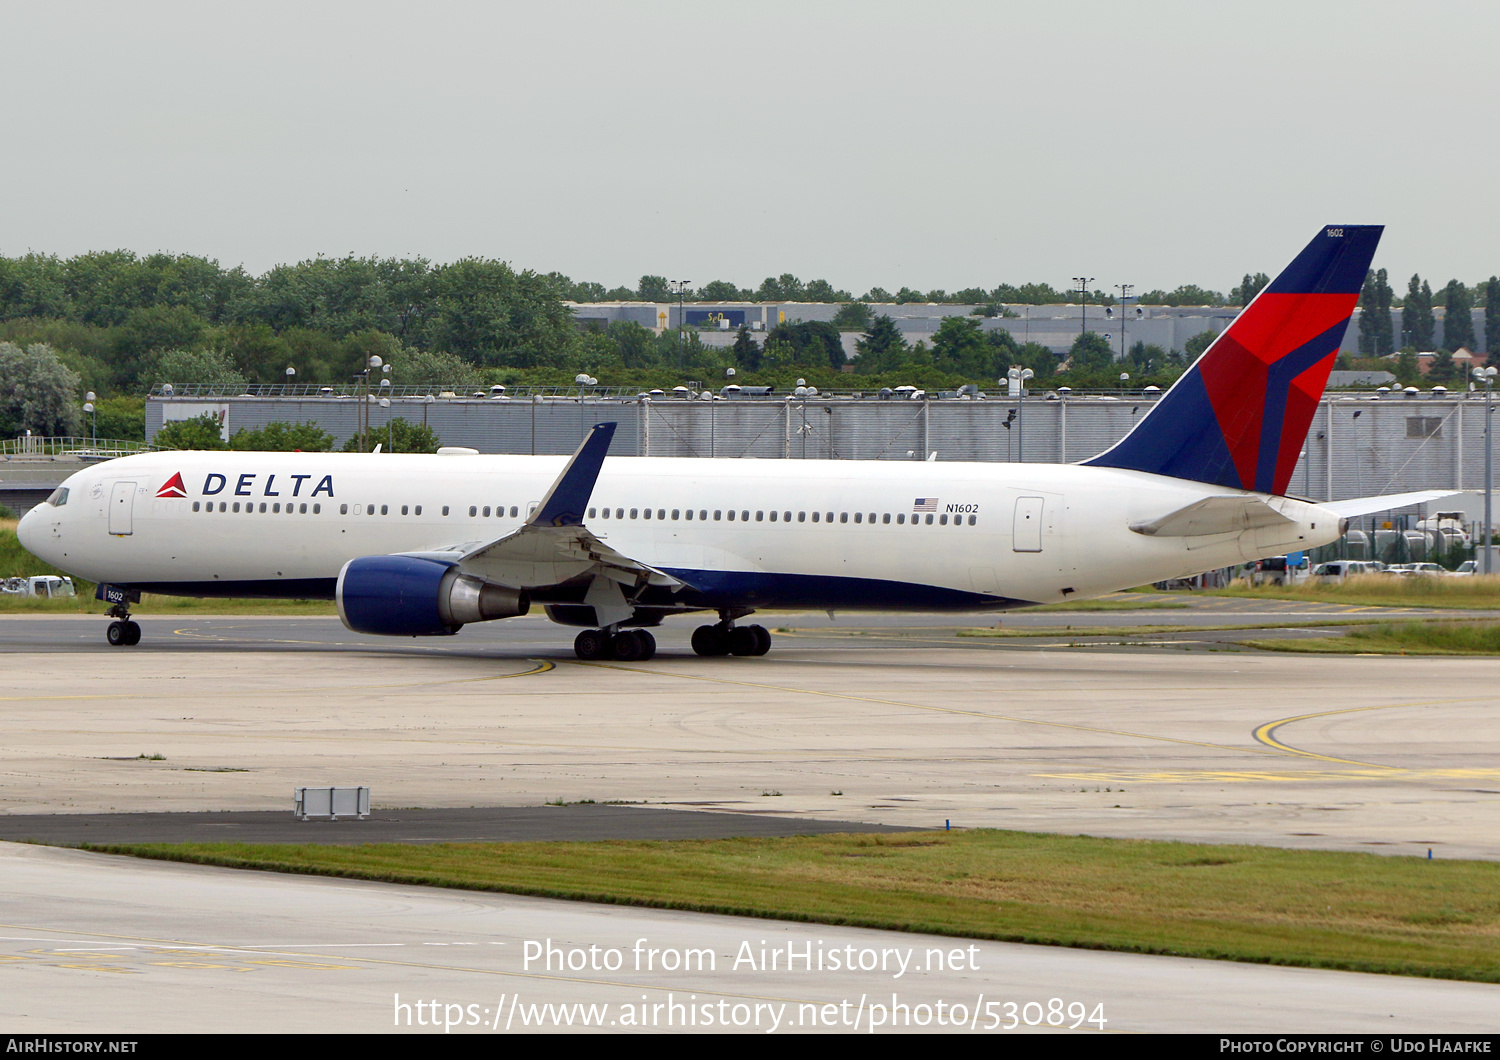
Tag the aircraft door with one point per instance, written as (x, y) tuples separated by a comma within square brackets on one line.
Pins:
[(121, 502), (1026, 534)]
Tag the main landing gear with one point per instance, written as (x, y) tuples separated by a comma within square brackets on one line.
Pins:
[(629, 645), (727, 639)]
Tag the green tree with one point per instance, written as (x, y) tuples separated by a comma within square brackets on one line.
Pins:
[(823, 291), (279, 436), (122, 416), (654, 289), (1187, 294), (906, 295), (746, 351), (1416, 315), (1458, 322), (721, 291), (1146, 357), (1375, 300), (434, 369), (397, 436), (1041, 360), (1249, 287), (959, 346), (813, 344), (203, 367), (37, 392), (200, 432), (1441, 368), (1194, 347), (883, 347), (878, 294), (852, 316), (1492, 314), (1091, 350)]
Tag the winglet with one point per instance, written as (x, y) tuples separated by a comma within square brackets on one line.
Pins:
[(568, 498)]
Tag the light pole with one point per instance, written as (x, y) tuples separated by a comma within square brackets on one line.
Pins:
[(1125, 289), (364, 409), (291, 373), (385, 403), (1124, 378), (680, 287), (1083, 289), (1486, 376), (88, 406), (1018, 376)]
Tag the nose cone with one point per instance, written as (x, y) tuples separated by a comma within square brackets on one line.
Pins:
[(26, 531)]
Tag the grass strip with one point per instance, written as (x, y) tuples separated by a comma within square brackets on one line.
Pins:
[(1317, 909), (1477, 592), (1133, 631), (1400, 638)]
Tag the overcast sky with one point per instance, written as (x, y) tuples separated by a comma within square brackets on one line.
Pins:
[(923, 144)]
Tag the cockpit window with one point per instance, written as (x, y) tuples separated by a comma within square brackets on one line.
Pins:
[(59, 497)]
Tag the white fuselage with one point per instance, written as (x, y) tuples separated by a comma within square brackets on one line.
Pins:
[(986, 535)]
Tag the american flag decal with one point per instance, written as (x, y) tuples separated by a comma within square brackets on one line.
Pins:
[(925, 504)]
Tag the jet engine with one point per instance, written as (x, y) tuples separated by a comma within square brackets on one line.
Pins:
[(406, 596)]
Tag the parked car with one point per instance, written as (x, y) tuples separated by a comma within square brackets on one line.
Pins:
[(1339, 569)]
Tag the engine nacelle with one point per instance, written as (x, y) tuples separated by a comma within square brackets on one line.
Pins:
[(405, 596)]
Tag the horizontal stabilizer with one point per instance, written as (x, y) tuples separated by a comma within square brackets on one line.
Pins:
[(1369, 505), (1214, 515)]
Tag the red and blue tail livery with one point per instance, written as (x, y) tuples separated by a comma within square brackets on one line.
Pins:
[(1238, 417)]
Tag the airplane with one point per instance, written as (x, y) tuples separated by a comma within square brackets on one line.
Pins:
[(420, 545)]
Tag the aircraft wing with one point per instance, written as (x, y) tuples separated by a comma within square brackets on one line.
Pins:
[(553, 546), (1214, 515), (1370, 505)]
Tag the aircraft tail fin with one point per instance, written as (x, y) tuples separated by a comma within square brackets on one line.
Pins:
[(1238, 417)]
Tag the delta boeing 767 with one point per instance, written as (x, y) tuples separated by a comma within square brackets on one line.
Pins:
[(414, 545)]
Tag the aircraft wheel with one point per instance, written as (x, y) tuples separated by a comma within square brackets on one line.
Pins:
[(132, 634), (591, 644), (116, 635), (709, 640), (648, 644), (743, 641), (628, 646), (762, 639)]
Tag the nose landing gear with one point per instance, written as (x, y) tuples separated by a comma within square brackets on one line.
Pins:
[(123, 633)]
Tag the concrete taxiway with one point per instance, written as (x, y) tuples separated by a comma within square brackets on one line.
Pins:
[(91, 942), (863, 719)]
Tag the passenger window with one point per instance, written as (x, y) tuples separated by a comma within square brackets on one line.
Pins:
[(942, 520), (661, 513), (276, 508), (872, 517), (929, 518), (702, 514), (828, 518), (385, 509), (445, 509), (900, 519), (716, 514), (605, 513), (731, 515), (674, 512), (591, 512), (512, 511), (403, 509), (236, 506), (195, 506), (773, 517), (859, 517), (369, 509), (487, 511), (815, 516), (418, 510), (633, 512), (885, 519), (843, 517), (302, 510), (801, 517), (317, 509), (343, 509), (619, 513), (689, 514), (473, 511), (263, 507), (971, 520), (744, 517), (646, 513)]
